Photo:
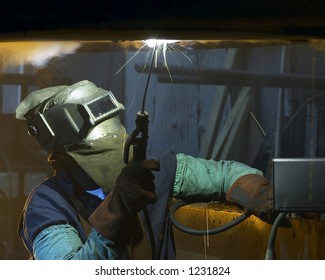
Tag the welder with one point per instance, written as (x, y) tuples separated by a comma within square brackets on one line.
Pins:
[(90, 208)]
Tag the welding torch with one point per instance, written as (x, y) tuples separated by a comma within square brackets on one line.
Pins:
[(139, 140), (139, 143)]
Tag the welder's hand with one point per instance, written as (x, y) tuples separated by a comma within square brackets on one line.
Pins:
[(135, 189), (254, 194), (135, 185)]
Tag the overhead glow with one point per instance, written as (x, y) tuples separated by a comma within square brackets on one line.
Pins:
[(36, 53), (157, 42)]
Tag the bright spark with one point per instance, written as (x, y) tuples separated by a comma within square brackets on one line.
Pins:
[(151, 43), (160, 47)]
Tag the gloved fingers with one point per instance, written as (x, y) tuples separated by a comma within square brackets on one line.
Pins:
[(146, 177), (147, 181), (137, 198), (140, 173), (135, 185), (253, 193), (144, 166), (139, 193), (258, 203)]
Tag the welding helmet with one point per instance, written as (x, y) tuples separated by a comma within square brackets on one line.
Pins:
[(79, 121)]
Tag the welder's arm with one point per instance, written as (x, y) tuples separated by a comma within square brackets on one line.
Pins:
[(114, 218), (112, 221), (62, 242), (235, 182)]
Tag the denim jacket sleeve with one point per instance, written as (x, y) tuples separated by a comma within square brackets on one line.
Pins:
[(62, 242)]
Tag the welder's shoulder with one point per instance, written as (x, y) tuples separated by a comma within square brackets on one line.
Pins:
[(48, 204), (53, 189)]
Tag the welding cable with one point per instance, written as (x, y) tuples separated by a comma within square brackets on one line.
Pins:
[(270, 252), (215, 230), (151, 234)]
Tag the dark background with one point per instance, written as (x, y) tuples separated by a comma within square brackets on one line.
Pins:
[(165, 18)]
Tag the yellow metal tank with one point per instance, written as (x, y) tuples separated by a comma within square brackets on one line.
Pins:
[(297, 237)]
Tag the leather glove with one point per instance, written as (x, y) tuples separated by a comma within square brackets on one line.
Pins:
[(254, 194), (115, 217)]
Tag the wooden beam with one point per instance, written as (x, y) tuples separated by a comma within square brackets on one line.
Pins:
[(216, 111), (240, 118), (231, 125)]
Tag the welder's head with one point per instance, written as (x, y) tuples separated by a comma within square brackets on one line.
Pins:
[(78, 123)]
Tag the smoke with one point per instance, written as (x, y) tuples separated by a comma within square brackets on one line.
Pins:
[(36, 54)]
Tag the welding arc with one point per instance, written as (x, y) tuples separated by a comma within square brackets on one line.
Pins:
[(212, 231)]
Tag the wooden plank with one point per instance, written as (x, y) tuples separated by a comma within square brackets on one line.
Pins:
[(216, 111), (248, 141), (240, 118), (229, 125)]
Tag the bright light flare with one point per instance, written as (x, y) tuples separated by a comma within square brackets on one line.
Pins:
[(160, 46), (151, 43)]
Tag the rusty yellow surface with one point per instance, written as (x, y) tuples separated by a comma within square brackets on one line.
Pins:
[(297, 238)]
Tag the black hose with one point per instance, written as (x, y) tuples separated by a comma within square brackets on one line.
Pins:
[(270, 252), (188, 230), (151, 234)]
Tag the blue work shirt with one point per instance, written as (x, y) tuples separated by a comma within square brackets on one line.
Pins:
[(50, 226)]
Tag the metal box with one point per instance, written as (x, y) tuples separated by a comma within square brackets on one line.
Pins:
[(299, 184)]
